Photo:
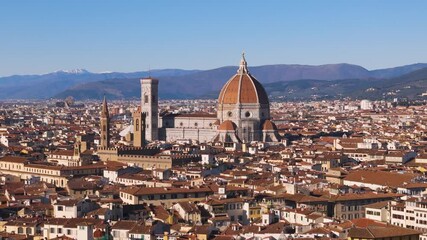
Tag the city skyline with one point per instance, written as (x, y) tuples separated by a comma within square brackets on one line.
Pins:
[(46, 36)]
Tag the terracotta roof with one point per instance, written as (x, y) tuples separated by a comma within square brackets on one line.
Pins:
[(390, 179), (98, 233), (269, 125), (243, 88), (365, 222), (140, 191), (375, 232), (378, 205), (368, 195), (227, 126), (125, 224), (196, 115), (14, 159)]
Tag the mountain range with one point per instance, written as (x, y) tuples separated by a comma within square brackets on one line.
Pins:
[(281, 81)]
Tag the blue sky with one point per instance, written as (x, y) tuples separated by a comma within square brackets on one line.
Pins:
[(40, 36)]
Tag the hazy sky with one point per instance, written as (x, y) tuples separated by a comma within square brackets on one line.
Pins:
[(39, 36)]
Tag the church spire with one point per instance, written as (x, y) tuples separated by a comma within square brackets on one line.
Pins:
[(105, 125), (243, 68), (104, 111)]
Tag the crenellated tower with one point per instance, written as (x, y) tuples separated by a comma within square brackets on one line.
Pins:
[(139, 128), (105, 125)]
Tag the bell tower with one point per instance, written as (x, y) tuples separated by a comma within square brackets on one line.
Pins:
[(150, 106), (105, 125), (138, 128)]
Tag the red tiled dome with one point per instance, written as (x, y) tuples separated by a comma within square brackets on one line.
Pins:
[(98, 233), (243, 88), (227, 126), (269, 125)]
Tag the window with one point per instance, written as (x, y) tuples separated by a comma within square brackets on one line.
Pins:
[(247, 114), (230, 114), (137, 125), (59, 230), (145, 99), (52, 230), (60, 208)]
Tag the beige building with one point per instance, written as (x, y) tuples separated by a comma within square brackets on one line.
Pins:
[(147, 158), (352, 205), (57, 175), (157, 195)]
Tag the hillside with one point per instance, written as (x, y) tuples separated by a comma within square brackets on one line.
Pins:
[(410, 86), (206, 84), (175, 83), (48, 85)]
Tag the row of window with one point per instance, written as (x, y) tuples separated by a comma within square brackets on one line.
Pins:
[(398, 216), (59, 231), (373, 213), (350, 216), (351, 208), (232, 206)]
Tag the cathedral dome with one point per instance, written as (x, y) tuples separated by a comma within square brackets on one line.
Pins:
[(243, 88), (269, 126), (227, 126), (98, 233)]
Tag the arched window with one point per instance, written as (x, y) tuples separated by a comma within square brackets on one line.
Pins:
[(137, 125)]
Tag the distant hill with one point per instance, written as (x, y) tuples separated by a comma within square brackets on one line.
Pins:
[(50, 84), (206, 84), (175, 83), (410, 86)]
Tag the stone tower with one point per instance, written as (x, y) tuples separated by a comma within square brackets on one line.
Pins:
[(150, 106), (138, 128), (105, 125)]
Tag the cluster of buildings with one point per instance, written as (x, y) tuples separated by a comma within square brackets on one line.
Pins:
[(236, 168)]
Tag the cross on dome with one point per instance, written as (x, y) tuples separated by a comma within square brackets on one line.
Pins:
[(243, 68)]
